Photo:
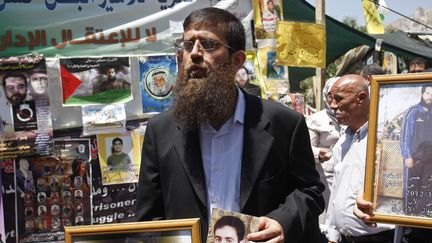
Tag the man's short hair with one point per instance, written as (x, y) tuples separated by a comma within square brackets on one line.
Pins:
[(423, 88), (14, 75), (218, 20), (231, 221), (117, 139), (371, 69), (419, 61)]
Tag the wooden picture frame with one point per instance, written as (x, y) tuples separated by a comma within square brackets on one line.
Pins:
[(175, 231), (393, 138)]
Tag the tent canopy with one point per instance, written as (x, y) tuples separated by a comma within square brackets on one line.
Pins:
[(341, 38)]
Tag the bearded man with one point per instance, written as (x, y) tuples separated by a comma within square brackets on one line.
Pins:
[(219, 147), (416, 135)]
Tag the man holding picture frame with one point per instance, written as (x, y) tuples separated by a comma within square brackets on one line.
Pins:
[(221, 148), (350, 102)]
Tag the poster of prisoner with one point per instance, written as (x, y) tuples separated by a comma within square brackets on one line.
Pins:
[(398, 169)]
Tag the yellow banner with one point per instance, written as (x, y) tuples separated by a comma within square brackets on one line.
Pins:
[(300, 44), (373, 21)]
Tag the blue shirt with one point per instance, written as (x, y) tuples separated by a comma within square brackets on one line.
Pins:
[(222, 153)]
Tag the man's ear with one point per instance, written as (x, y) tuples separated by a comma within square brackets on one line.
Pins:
[(238, 58), (362, 96)]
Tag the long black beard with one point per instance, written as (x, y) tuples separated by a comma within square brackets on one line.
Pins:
[(207, 99)]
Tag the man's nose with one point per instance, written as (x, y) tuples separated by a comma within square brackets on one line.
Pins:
[(197, 53)]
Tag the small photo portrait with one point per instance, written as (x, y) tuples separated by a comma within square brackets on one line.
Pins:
[(66, 183), (28, 211), (41, 197), (81, 148), (42, 210), (55, 197), (60, 169), (67, 196), (42, 223), (231, 225), (67, 209), (55, 183), (40, 184), (79, 220), (67, 222), (78, 194), (79, 208), (38, 83), (46, 169), (28, 185), (28, 197), (78, 181), (55, 223), (158, 82), (55, 210), (29, 225)]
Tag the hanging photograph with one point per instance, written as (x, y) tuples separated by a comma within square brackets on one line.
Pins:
[(25, 117), (248, 77), (103, 119), (267, 13), (93, 81), (398, 173), (157, 77), (119, 157)]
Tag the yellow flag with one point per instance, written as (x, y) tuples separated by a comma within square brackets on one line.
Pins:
[(372, 17), (300, 44)]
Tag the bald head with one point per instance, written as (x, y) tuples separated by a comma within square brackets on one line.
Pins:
[(350, 101)]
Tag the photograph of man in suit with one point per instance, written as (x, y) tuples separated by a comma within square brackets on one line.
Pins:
[(218, 147)]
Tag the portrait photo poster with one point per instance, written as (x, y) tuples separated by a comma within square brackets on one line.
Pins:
[(275, 77), (119, 157), (266, 14), (95, 81), (254, 84), (249, 223), (51, 192), (25, 117), (103, 119), (392, 180), (157, 77)]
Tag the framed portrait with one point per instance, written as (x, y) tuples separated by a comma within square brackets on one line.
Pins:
[(169, 231), (119, 157), (398, 178), (231, 225)]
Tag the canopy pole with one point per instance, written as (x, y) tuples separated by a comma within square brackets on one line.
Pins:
[(319, 72)]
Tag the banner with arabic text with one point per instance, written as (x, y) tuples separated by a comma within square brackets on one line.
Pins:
[(99, 27)]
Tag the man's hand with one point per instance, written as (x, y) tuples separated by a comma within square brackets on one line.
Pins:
[(324, 154), (409, 162), (361, 207), (269, 231)]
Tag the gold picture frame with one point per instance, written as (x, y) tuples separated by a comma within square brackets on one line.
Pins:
[(173, 231), (390, 184)]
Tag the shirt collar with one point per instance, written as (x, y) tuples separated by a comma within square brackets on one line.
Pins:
[(240, 107), (360, 133), (238, 115)]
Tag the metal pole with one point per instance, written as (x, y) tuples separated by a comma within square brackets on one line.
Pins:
[(320, 73)]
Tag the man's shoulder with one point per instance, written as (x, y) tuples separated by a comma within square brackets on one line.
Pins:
[(163, 119)]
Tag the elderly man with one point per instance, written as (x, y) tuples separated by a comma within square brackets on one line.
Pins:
[(221, 148), (350, 102)]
